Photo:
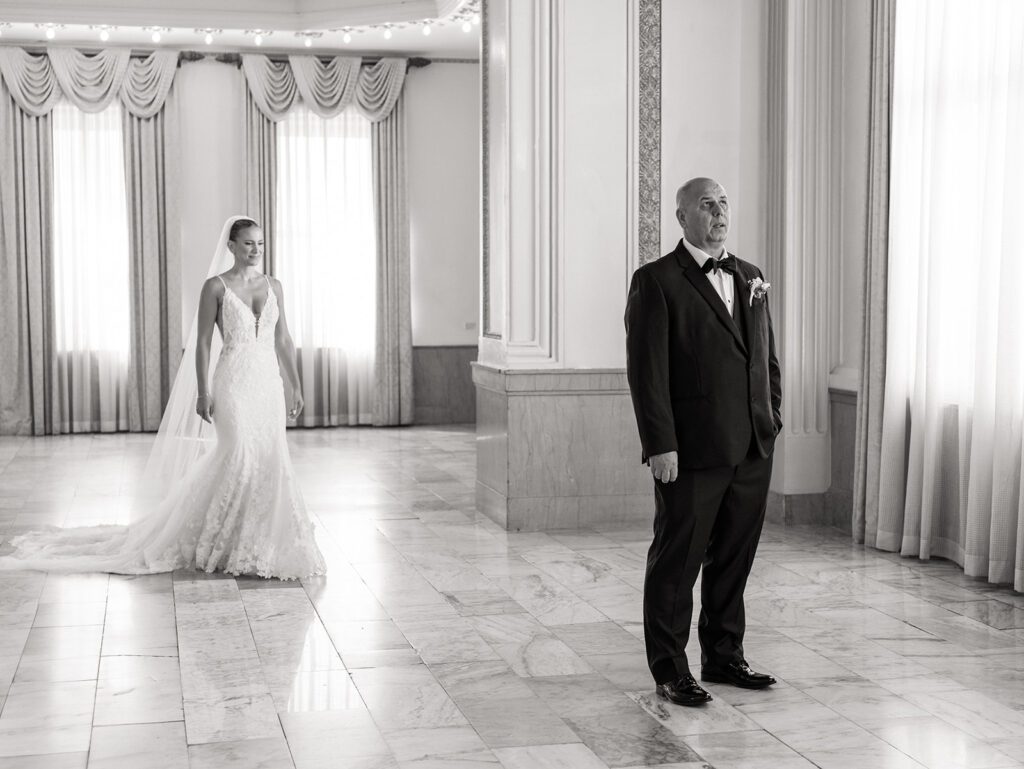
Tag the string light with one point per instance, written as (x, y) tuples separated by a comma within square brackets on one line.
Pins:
[(387, 33), (104, 34), (426, 29), (258, 39), (208, 39), (50, 33), (476, 18), (308, 43), (467, 27), (347, 38)]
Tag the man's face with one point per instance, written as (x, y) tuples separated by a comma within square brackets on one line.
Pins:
[(705, 216)]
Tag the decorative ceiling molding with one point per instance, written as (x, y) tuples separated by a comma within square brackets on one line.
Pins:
[(283, 15)]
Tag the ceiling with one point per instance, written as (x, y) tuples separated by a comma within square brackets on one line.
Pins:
[(357, 26)]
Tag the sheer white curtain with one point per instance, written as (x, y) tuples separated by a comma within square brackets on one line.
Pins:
[(90, 272), (954, 395), (326, 259)]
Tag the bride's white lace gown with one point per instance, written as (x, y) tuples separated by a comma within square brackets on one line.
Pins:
[(238, 510)]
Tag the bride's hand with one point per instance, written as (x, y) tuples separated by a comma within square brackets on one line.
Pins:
[(204, 408), (297, 404)]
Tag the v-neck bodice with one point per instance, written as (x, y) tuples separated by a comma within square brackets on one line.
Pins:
[(241, 325)]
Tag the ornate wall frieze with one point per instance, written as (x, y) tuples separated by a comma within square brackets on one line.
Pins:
[(649, 132)]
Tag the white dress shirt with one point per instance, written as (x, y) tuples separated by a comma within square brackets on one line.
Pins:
[(720, 279)]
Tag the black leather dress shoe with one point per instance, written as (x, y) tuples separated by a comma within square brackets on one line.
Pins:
[(683, 691), (737, 674)]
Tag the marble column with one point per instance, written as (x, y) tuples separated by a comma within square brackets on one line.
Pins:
[(803, 86), (557, 444)]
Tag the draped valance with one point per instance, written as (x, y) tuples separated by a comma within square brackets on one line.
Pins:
[(327, 86), (89, 81)]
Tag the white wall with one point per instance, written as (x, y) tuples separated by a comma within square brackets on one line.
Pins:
[(712, 112), (443, 118), (443, 133), (595, 158), (210, 98)]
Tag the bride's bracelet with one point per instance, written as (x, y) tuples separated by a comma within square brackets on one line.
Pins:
[(202, 397)]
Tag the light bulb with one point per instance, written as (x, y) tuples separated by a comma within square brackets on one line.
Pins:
[(467, 27), (156, 37), (387, 34), (347, 38), (51, 33), (258, 39), (309, 43), (476, 18), (104, 35), (426, 29), (209, 38)]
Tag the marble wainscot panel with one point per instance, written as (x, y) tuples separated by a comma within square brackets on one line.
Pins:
[(558, 449)]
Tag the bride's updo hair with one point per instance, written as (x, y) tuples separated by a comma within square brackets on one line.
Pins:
[(238, 225)]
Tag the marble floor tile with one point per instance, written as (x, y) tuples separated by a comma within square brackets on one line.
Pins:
[(406, 698), (438, 640), (138, 690), (263, 753), (77, 760), (69, 614), (451, 743), (311, 690), (746, 750), (139, 746), (68, 669), (549, 757), (938, 744), (328, 739), (446, 640), (47, 717), (715, 716)]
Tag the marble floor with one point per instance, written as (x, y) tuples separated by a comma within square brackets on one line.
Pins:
[(438, 640)]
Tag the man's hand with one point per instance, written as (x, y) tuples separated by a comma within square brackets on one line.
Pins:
[(665, 467)]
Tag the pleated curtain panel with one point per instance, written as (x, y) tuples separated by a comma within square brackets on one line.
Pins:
[(33, 400), (328, 86)]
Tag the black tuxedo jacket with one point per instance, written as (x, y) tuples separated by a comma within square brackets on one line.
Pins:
[(702, 385)]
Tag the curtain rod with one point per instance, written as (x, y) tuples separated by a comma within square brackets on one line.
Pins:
[(225, 57)]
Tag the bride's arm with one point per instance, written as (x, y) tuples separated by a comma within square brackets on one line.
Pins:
[(285, 348), (208, 301)]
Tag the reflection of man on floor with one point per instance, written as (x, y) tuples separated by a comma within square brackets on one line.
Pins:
[(707, 394)]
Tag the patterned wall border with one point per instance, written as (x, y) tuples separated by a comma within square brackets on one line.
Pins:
[(649, 132), (485, 175)]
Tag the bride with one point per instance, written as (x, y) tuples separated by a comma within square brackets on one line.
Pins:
[(224, 502)]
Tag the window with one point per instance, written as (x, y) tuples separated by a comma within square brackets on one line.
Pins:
[(91, 268), (325, 253), (326, 243)]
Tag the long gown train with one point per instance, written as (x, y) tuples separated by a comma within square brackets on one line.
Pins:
[(238, 509)]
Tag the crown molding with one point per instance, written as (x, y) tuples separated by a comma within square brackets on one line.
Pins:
[(284, 15)]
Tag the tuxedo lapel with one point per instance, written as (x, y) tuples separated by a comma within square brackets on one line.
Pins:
[(700, 282), (746, 314)]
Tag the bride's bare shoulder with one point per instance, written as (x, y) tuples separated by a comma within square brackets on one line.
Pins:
[(213, 287)]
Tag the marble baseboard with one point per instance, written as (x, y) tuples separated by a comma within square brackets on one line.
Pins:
[(443, 385), (558, 449), (835, 506)]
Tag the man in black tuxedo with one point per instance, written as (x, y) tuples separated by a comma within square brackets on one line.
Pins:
[(707, 393)]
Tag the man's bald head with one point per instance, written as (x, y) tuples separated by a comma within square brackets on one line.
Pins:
[(702, 208)]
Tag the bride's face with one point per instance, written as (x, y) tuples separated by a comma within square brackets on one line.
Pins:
[(247, 247)]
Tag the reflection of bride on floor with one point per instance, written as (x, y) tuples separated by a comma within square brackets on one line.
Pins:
[(227, 504)]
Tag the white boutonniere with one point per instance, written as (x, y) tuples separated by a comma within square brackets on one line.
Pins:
[(758, 290)]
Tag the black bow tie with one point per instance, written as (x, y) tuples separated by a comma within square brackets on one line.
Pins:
[(728, 264)]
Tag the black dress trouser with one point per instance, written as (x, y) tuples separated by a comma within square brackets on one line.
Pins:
[(710, 518)]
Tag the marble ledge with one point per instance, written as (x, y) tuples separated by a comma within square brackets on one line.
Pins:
[(596, 381)]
